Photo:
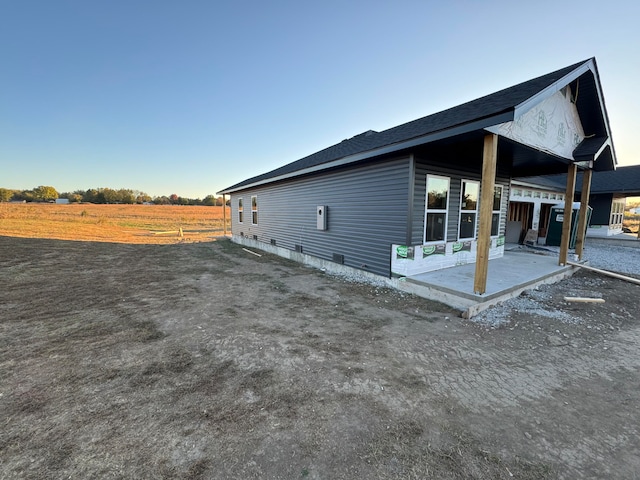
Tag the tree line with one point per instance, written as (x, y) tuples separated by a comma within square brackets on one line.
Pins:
[(45, 193)]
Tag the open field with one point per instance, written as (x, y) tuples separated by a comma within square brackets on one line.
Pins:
[(200, 360), (111, 223)]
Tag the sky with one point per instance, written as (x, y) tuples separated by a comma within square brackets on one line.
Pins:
[(193, 96)]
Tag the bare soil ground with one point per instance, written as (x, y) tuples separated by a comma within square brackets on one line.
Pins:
[(200, 360)]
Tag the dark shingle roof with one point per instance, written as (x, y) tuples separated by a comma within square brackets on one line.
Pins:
[(625, 180), (488, 106)]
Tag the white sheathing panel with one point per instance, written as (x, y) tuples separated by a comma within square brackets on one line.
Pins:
[(553, 126), (416, 259)]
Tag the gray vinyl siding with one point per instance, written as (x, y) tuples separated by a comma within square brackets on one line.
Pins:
[(367, 212), (455, 175), (601, 204)]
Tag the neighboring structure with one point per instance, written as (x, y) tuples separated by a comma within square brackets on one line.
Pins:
[(62, 201), (608, 194), (431, 193)]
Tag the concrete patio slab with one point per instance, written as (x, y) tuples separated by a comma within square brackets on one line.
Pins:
[(508, 277)]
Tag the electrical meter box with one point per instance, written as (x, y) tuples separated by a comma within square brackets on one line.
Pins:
[(321, 216)]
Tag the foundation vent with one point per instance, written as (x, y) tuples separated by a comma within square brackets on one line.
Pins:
[(338, 258), (299, 248)]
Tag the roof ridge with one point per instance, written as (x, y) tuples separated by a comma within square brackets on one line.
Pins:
[(488, 106)]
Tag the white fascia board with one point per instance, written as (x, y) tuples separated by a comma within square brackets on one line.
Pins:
[(605, 144), (529, 103)]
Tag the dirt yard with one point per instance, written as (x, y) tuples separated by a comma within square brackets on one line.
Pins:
[(199, 360)]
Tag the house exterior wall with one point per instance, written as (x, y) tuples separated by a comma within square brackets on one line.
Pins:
[(366, 212), (420, 257), (456, 176), (607, 215)]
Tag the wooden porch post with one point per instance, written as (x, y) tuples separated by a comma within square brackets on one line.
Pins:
[(489, 161), (224, 214), (568, 210), (582, 219)]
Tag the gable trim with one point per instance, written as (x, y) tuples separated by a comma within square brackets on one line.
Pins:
[(556, 87)]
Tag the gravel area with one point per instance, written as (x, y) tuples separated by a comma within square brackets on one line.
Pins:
[(625, 260), (538, 302)]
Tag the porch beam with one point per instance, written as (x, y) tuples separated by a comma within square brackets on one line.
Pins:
[(568, 210), (582, 218), (489, 161)]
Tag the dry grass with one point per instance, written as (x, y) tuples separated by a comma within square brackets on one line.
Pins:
[(111, 223)]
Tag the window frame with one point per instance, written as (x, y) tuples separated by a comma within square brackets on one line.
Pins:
[(498, 210), (254, 210), (616, 217), (475, 211), (240, 211), (428, 210)]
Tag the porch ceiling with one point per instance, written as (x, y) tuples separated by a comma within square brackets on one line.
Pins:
[(467, 150)]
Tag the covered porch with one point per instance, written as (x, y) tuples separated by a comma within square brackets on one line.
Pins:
[(508, 276)]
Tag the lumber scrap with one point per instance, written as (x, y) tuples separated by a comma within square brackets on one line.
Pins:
[(584, 299), (606, 272)]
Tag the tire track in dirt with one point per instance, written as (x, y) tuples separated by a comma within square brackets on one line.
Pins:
[(478, 377)]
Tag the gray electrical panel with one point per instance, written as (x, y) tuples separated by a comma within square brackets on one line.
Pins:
[(321, 216)]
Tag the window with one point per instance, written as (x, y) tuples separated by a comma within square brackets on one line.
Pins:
[(254, 210), (617, 213), (497, 207), (468, 209), (435, 215), (240, 210)]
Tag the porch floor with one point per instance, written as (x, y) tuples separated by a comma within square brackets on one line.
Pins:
[(508, 277)]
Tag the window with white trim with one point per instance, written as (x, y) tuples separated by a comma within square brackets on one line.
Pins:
[(436, 205), (240, 210), (254, 210), (496, 209), (617, 213), (468, 209)]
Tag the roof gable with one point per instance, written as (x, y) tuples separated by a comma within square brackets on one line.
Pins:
[(483, 112)]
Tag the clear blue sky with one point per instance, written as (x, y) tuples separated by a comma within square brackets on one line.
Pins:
[(192, 96)]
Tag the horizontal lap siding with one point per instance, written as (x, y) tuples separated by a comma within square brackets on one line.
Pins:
[(456, 175), (367, 212)]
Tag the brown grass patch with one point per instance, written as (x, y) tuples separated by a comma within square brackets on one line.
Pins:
[(112, 223)]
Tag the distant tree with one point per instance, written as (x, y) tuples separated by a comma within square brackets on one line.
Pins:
[(109, 195), (209, 201), (174, 198), (90, 196), (6, 195), (125, 195), (45, 193), (163, 200), (77, 196), (26, 195), (74, 197), (141, 197)]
